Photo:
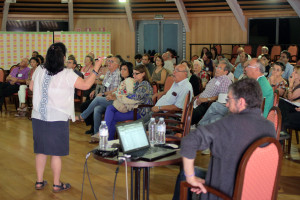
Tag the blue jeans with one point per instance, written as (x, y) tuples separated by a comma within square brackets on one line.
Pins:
[(98, 106), (112, 116), (215, 112), (199, 172)]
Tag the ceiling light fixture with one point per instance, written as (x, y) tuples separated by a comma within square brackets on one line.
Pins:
[(122, 1)]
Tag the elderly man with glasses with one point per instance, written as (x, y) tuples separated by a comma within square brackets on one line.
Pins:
[(174, 98), (218, 85), (99, 104)]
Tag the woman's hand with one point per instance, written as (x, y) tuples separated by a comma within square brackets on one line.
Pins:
[(198, 183), (92, 94), (297, 109), (292, 79)]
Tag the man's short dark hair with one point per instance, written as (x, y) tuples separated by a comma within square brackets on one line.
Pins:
[(288, 55), (149, 57), (138, 56), (72, 57), (280, 64), (250, 90)]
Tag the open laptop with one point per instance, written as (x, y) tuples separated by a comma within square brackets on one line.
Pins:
[(134, 142)]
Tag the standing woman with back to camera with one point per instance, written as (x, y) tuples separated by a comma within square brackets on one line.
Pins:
[(53, 105)]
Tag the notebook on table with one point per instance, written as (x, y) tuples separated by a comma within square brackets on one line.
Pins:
[(134, 142)]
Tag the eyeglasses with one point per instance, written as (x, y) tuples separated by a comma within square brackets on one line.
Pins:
[(250, 66), (111, 61), (176, 70), (135, 73), (277, 70), (220, 68), (227, 99)]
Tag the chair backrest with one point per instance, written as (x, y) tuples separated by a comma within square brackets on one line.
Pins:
[(248, 49), (276, 98), (168, 83), (275, 117), (259, 171), (263, 105), (154, 87), (258, 50), (2, 75), (188, 118), (275, 52), (219, 49), (293, 49), (185, 106), (12, 67)]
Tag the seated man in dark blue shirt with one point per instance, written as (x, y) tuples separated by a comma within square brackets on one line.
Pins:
[(227, 139)]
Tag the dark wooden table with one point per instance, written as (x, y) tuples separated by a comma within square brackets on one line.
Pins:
[(144, 166)]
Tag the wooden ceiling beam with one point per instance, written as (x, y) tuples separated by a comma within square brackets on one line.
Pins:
[(295, 5), (4, 15), (129, 16), (183, 14), (238, 13), (71, 15)]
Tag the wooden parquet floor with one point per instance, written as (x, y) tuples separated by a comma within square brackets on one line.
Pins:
[(18, 176)]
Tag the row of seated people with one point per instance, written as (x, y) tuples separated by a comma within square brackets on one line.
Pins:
[(228, 131)]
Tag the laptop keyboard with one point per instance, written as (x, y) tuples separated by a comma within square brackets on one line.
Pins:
[(147, 151)]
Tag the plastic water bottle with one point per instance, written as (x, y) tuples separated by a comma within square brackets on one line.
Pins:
[(161, 131), (152, 131), (103, 135)]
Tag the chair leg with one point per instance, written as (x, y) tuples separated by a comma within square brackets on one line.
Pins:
[(290, 141), (297, 136)]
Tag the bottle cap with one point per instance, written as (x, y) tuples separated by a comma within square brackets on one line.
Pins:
[(161, 119), (152, 119), (103, 122)]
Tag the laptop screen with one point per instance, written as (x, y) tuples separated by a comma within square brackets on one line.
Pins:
[(132, 136)]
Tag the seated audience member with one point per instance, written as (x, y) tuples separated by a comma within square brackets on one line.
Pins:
[(240, 67), (208, 63), (291, 113), (138, 59), (285, 57), (266, 59), (264, 50), (214, 54), (16, 77), (89, 63), (200, 72), (41, 59), (99, 104), (22, 110), (159, 74), (203, 51), (239, 51), (253, 69), (173, 99), (72, 63), (169, 66), (155, 56), (146, 61), (230, 74), (194, 57), (34, 54), (219, 84), (193, 79), (228, 139), (276, 80), (173, 54), (91, 54), (122, 108)]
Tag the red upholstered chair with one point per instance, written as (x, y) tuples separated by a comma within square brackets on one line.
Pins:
[(257, 176), (219, 49), (276, 98), (248, 49), (258, 50), (293, 49), (275, 117), (234, 51), (275, 52)]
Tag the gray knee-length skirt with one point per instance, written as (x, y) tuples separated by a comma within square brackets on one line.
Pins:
[(51, 138)]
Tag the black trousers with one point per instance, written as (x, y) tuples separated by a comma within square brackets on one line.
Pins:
[(90, 119), (199, 112), (6, 89), (290, 117)]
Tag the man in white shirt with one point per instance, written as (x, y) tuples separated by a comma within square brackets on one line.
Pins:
[(239, 51), (285, 57)]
